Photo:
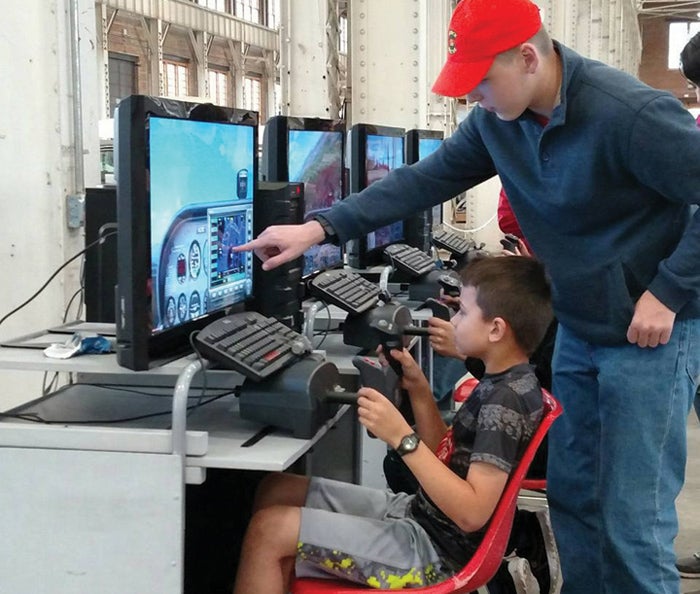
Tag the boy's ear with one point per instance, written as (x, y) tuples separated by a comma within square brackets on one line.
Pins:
[(499, 327), (530, 56)]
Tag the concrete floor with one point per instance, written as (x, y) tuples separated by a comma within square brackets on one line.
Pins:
[(688, 540)]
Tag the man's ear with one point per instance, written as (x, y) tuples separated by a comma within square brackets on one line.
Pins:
[(530, 57), (498, 330)]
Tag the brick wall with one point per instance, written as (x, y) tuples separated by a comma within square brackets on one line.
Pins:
[(128, 37), (653, 69)]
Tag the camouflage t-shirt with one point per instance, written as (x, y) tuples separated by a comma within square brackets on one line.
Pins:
[(494, 426)]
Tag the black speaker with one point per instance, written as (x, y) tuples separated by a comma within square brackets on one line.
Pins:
[(278, 291), (101, 258)]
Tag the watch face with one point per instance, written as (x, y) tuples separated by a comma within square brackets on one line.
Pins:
[(408, 444)]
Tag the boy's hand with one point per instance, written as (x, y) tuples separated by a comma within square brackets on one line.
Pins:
[(281, 243), (412, 375), (380, 417), (449, 300), (442, 338)]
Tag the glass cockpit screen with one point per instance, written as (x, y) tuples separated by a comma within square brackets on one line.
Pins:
[(201, 206)]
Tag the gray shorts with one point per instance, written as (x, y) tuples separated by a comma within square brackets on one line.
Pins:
[(363, 535)]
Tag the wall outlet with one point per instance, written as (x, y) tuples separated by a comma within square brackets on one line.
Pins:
[(75, 210)]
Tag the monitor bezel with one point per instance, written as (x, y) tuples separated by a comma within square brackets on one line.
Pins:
[(358, 252), (275, 161), (137, 347), (413, 138)]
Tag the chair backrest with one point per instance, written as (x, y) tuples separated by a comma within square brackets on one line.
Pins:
[(484, 564)]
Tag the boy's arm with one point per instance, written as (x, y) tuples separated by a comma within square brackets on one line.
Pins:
[(429, 423), (469, 502)]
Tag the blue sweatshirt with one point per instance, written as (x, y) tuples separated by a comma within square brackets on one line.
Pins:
[(603, 194)]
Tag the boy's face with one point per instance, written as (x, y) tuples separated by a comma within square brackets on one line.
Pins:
[(504, 90), (471, 329)]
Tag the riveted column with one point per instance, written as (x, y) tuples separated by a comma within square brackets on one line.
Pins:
[(309, 58)]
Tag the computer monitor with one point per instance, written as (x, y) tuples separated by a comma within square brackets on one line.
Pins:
[(186, 176), (420, 144), (374, 152), (308, 150)]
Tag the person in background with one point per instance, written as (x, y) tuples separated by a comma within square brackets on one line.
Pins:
[(689, 567), (601, 171), (318, 527), (690, 66)]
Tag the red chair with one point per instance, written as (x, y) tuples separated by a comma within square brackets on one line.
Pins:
[(488, 557)]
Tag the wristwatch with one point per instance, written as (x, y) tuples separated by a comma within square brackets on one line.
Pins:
[(408, 444), (331, 236)]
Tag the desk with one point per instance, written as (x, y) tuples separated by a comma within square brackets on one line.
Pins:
[(99, 508)]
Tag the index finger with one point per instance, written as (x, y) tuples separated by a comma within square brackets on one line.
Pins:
[(246, 247)]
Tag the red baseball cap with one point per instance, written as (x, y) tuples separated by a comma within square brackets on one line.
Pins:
[(479, 31)]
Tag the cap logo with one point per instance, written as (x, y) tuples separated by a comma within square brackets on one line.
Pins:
[(451, 43)]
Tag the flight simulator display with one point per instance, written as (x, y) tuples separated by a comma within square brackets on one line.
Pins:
[(309, 150), (374, 152), (185, 200)]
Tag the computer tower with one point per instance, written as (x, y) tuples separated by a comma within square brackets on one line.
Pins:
[(101, 258), (278, 291), (417, 230)]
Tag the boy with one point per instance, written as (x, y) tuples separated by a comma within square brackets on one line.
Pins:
[(322, 528)]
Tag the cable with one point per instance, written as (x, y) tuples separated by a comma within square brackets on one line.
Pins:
[(474, 230), (328, 326), (70, 302), (80, 253), (46, 389), (36, 418)]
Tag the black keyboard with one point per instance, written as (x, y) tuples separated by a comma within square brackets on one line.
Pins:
[(252, 344), (408, 259), (451, 242), (347, 290)]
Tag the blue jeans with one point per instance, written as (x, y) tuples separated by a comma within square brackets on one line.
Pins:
[(446, 372), (617, 460)]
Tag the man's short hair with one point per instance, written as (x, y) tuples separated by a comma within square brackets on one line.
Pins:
[(515, 288), (690, 60)]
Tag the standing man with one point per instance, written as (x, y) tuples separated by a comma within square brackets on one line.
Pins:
[(601, 171), (689, 567)]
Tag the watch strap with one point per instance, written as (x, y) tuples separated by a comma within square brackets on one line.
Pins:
[(330, 235)]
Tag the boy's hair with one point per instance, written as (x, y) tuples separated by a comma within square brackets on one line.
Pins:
[(690, 60), (516, 289), (541, 40)]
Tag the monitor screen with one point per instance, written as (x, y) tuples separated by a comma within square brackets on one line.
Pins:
[(201, 206), (425, 147), (384, 153), (374, 152), (311, 151), (420, 144), (186, 186)]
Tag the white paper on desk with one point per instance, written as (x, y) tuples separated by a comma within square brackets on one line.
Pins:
[(64, 350)]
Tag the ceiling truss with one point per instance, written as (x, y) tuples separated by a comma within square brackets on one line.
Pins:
[(687, 9)]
